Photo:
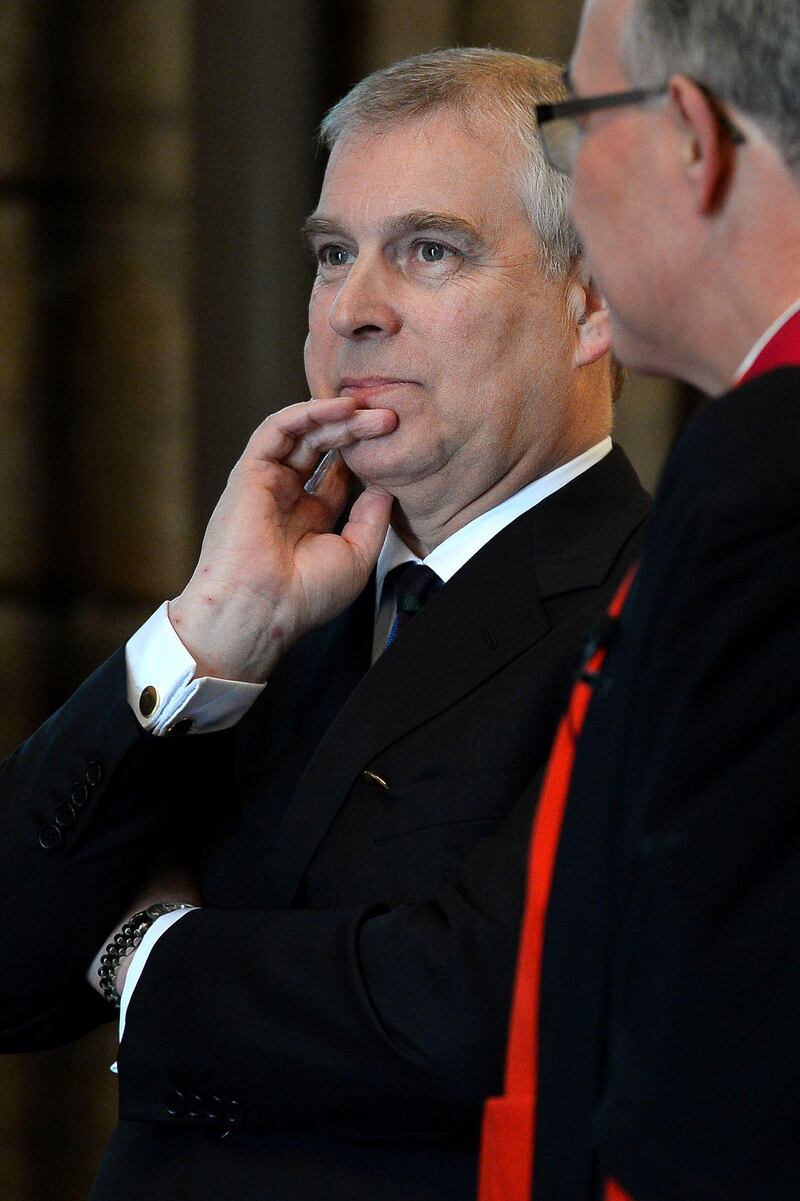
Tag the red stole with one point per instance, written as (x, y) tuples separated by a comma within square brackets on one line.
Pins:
[(782, 350), (509, 1124)]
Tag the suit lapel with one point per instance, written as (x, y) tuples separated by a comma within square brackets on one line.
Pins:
[(465, 633), (490, 612)]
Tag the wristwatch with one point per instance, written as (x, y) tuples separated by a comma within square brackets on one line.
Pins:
[(125, 942)]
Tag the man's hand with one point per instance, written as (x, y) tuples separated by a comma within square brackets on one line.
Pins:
[(270, 569)]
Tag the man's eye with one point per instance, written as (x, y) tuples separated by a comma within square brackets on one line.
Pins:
[(333, 256), (434, 252)]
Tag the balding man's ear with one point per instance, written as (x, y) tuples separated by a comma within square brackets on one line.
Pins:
[(705, 146), (589, 318)]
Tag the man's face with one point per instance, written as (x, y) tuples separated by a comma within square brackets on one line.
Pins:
[(622, 198), (430, 300)]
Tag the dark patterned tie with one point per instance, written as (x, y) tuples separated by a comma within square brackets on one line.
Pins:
[(414, 585)]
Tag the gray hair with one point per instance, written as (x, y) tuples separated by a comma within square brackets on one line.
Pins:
[(477, 85), (745, 51)]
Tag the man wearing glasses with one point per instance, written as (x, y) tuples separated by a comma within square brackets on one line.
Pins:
[(653, 1049)]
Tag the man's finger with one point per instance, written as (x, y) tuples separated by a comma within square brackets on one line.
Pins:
[(362, 425), (367, 525), (304, 430), (275, 437)]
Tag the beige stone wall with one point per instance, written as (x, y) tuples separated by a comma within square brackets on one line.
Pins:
[(96, 354), (96, 244)]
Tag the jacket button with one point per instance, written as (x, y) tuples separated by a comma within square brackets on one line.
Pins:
[(148, 701), (93, 774), (65, 815), (196, 1107), (175, 1103), (214, 1109), (372, 777), (50, 838), (79, 794), (234, 1113)]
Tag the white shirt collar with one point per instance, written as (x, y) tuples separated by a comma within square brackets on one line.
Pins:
[(766, 337), (456, 550)]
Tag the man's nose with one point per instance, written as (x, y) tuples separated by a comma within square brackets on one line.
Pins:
[(366, 304)]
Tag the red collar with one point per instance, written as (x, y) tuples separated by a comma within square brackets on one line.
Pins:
[(782, 350)]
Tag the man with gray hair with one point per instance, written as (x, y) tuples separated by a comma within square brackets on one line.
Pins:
[(352, 821), (664, 1064)]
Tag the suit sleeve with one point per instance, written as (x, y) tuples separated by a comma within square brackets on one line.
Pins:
[(83, 804), (702, 1098), (375, 1020)]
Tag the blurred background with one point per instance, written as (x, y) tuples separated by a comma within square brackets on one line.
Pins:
[(156, 162)]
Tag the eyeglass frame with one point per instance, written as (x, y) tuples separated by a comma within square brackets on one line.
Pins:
[(579, 106)]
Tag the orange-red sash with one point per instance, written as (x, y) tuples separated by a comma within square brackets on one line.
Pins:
[(507, 1148)]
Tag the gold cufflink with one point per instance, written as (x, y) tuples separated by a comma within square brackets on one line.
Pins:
[(148, 701)]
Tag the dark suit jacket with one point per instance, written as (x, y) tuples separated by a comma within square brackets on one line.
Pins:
[(669, 1052), (338, 1009)]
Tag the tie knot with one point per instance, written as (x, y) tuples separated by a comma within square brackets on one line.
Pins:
[(414, 585)]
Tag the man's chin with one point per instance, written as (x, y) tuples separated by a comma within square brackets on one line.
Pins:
[(394, 463), (371, 460)]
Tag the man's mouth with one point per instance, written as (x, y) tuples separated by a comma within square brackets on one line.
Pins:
[(371, 385)]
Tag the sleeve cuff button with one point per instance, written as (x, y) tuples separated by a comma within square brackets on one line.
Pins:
[(176, 1103), (50, 838)]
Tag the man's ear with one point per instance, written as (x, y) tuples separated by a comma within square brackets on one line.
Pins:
[(590, 320), (706, 148)]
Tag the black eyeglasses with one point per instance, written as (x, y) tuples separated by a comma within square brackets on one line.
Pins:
[(561, 131)]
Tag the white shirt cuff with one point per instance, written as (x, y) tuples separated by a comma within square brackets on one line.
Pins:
[(163, 691), (140, 955)]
